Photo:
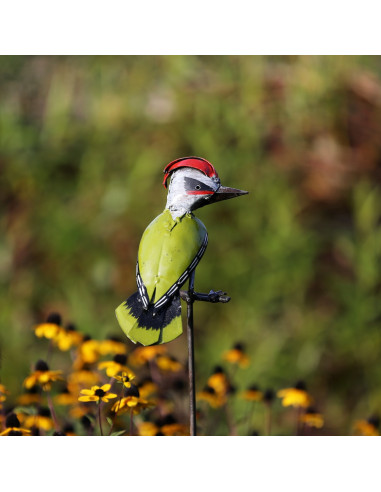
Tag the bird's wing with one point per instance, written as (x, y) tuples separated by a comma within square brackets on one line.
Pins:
[(169, 250)]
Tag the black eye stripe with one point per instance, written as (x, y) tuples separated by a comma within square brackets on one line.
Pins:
[(193, 184)]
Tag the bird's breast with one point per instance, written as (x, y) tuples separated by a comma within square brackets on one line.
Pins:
[(166, 250)]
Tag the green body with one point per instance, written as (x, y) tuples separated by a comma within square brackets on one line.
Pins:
[(167, 248)]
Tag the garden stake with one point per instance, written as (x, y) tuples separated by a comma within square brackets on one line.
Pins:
[(192, 385), (190, 296), (169, 251)]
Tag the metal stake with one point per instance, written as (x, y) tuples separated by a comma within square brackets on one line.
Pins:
[(190, 296), (192, 386)]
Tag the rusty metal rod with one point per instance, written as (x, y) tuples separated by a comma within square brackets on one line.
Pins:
[(190, 296), (192, 386)]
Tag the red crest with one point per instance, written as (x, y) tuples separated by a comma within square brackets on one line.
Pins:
[(196, 162)]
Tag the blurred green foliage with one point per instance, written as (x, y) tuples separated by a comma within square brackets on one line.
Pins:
[(83, 141)]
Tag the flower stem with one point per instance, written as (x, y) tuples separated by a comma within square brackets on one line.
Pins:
[(252, 406), (268, 419), (131, 421), (100, 418), (52, 411), (230, 421), (298, 414), (120, 399)]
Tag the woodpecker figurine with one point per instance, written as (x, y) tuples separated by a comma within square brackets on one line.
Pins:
[(170, 249)]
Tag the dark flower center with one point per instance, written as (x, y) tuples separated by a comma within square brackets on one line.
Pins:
[(178, 385), (210, 390), (68, 428), (14, 433), (71, 327), (253, 387), (311, 410), (239, 346), (374, 420), (44, 412), (300, 385), (35, 431), (132, 391), (33, 390), (86, 422), (113, 338), (41, 365), (120, 359), (269, 396), (99, 392), (12, 420), (167, 420), (54, 318)]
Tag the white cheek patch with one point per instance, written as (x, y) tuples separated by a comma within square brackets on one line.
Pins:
[(180, 200)]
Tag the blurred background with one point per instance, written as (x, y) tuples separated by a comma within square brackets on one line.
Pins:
[(83, 142)]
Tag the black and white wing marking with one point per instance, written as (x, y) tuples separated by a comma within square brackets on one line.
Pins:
[(183, 278), (141, 288)]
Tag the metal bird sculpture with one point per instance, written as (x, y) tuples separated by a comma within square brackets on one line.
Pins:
[(169, 251)]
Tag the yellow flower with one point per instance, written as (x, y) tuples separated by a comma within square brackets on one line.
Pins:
[(3, 390), (32, 395), (147, 388), (13, 428), (148, 429), (296, 396), (219, 382), (83, 377), (50, 328), (41, 421), (125, 378), (168, 364), (43, 376), (367, 427), (67, 338), (118, 364), (97, 393), (142, 355), (87, 353), (131, 402), (166, 426), (210, 395), (66, 397), (236, 355), (252, 394), (112, 345), (3, 393), (312, 418), (78, 411), (68, 430)]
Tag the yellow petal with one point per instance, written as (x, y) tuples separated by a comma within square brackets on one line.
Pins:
[(87, 392), (88, 398)]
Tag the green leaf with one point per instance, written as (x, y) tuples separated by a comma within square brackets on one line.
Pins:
[(26, 410), (118, 433)]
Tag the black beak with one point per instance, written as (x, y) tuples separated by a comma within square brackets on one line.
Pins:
[(225, 193)]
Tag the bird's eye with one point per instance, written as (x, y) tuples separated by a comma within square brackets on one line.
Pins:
[(197, 187)]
